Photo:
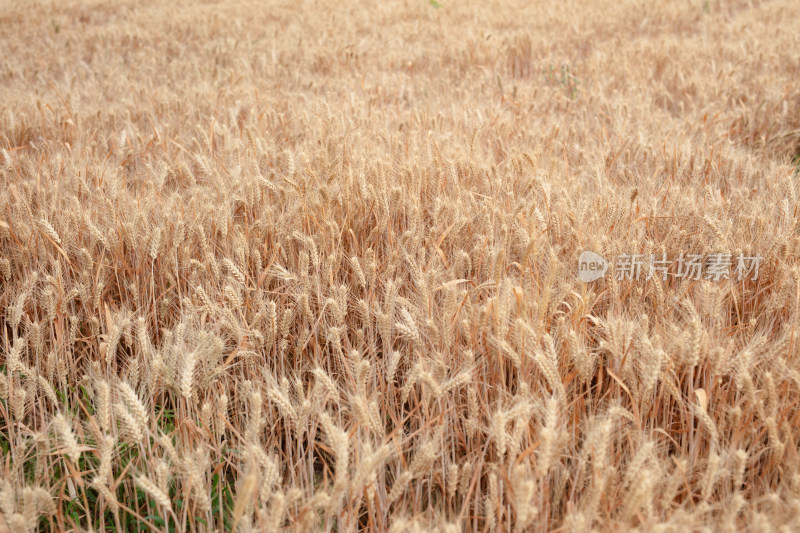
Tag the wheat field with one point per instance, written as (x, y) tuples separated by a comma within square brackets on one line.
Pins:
[(314, 266)]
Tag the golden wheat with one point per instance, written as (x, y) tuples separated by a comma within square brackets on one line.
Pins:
[(314, 266)]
